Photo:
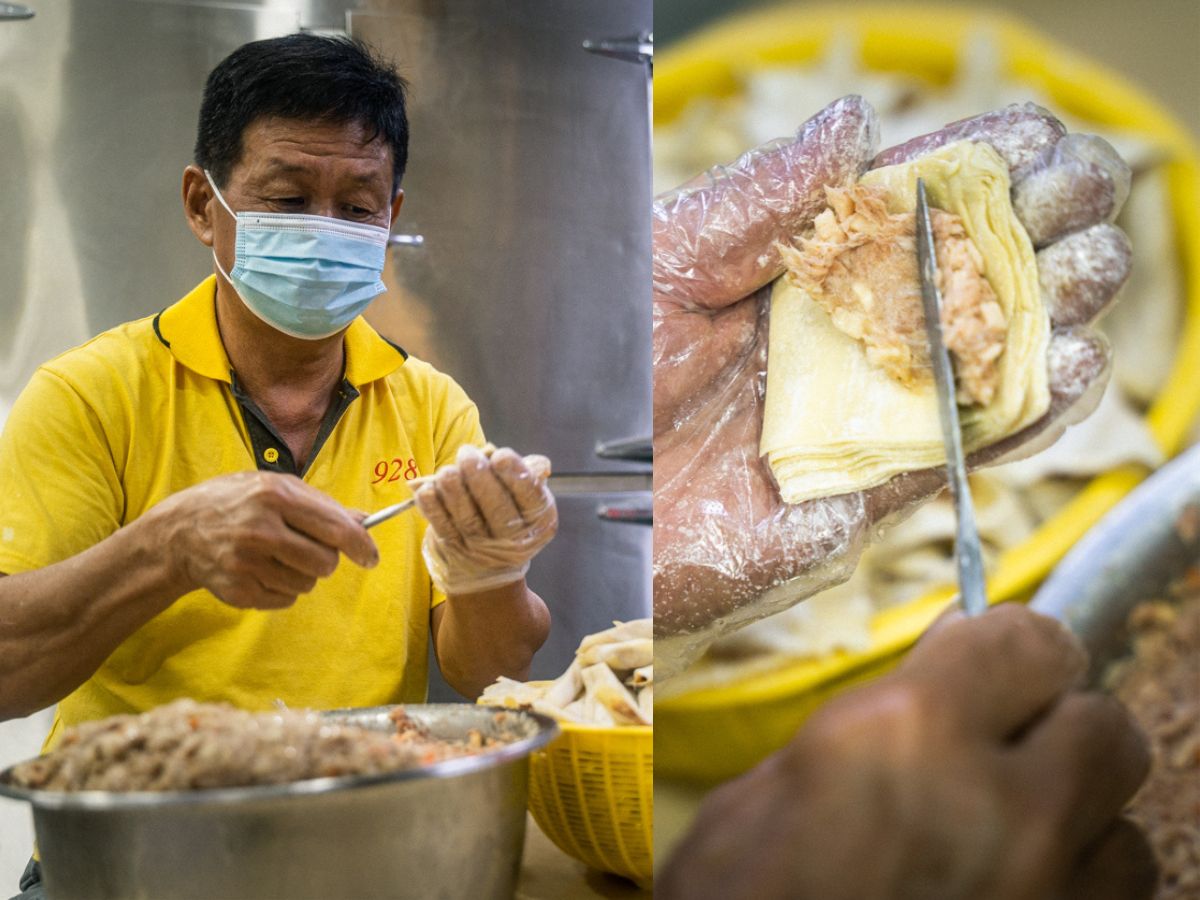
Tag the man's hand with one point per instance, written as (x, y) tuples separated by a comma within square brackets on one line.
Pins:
[(259, 539), (254, 539), (723, 538), (973, 772), (488, 517)]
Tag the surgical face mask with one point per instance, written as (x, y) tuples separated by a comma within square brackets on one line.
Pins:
[(307, 276)]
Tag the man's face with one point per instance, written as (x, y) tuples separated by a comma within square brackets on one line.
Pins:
[(317, 168)]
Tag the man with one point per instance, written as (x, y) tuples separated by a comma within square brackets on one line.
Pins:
[(179, 490)]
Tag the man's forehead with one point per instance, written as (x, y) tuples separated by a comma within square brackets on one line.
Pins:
[(271, 165), (275, 146)]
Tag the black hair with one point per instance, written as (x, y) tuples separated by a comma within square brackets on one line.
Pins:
[(300, 76)]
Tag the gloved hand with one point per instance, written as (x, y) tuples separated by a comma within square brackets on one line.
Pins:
[(488, 516), (727, 550), (972, 772)]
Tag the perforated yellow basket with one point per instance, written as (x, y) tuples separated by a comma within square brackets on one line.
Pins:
[(591, 790), (714, 734)]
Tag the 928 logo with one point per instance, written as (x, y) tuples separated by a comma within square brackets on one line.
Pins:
[(395, 469)]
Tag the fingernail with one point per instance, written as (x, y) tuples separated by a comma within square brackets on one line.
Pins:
[(372, 555)]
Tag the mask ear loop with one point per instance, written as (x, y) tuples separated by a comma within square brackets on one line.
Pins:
[(217, 192), (224, 274), (221, 200)]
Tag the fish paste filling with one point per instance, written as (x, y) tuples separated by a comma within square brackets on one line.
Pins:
[(860, 266)]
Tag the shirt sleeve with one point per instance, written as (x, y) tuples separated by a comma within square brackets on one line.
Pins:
[(462, 425), (61, 487)]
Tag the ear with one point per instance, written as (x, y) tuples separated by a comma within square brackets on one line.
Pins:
[(397, 202), (198, 204)]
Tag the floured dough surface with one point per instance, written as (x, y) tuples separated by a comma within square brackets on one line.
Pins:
[(850, 398)]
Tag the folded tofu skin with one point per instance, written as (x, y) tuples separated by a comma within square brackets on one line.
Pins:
[(850, 397)]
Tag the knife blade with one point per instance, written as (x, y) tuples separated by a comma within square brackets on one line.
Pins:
[(559, 483), (972, 591)]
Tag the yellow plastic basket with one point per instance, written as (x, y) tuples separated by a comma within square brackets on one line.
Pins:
[(714, 734), (591, 790)]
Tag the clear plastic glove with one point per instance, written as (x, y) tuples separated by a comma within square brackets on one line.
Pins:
[(974, 771), (727, 550), (488, 516)]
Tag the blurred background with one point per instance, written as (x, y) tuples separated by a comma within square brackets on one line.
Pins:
[(732, 75), (1153, 43)]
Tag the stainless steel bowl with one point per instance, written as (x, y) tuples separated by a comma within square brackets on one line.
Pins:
[(454, 829), (1133, 554)]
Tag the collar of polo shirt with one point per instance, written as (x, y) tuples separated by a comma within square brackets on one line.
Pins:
[(189, 330)]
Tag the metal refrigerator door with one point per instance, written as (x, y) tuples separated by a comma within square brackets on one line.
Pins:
[(529, 181), (98, 106)]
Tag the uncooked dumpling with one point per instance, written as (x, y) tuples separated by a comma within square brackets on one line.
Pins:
[(850, 401)]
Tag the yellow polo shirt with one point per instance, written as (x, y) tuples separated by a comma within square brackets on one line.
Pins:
[(107, 430)]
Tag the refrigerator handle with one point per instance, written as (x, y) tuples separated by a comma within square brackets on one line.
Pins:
[(639, 513), (636, 48), (406, 240), (11, 12), (634, 449)]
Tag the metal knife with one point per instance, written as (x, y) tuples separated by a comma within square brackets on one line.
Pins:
[(559, 483), (971, 588)]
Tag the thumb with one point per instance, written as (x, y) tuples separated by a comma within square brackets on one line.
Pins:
[(714, 238)]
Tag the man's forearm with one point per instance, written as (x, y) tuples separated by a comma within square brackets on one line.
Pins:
[(481, 636), (58, 624)]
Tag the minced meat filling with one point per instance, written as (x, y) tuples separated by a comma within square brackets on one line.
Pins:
[(1160, 683), (860, 266), (187, 746)]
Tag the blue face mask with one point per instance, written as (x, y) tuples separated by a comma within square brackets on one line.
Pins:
[(307, 276)]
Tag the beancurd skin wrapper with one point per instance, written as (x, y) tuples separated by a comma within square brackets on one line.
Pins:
[(564, 689), (591, 691), (645, 699), (834, 423), (631, 654), (636, 629), (602, 685), (509, 692)]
